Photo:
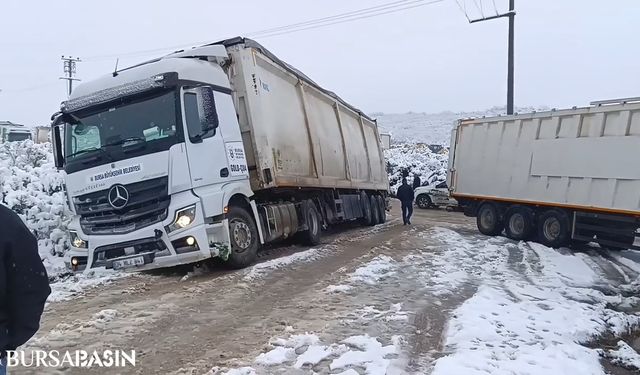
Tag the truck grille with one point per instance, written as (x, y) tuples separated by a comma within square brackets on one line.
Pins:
[(148, 203)]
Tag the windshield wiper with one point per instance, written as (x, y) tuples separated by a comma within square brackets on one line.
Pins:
[(85, 151), (137, 140)]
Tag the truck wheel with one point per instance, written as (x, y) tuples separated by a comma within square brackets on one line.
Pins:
[(553, 228), (375, 210), (519, 223), (366, 209), (424, 201), (244, 238), (311, 236), (488, 220), (382, 208)]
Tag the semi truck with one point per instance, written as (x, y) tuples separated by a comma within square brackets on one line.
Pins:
[(211, 152), (11, 132), (557, 177)]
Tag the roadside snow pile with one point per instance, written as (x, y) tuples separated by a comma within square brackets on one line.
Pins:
[(31, 186), (409, 160), (534, 309), (432, 128), (624, 356)]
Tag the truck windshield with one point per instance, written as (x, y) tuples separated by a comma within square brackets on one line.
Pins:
[(14, 137), (129, 128)]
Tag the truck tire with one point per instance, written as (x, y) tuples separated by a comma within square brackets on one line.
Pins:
[(312, 235), (488, 219), (554, 228), (243, 237), (367, 218), (519, 223), (375, 210), (424, 201), (383, 209)]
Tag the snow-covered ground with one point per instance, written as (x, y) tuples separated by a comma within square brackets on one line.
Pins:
[(432, 128)]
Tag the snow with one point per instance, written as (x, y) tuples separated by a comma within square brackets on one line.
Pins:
[(529, 319), (276, 356), (365, 352), (374, 271), (624, 356), (306, 351), (31, 186), (262, 269), (410, 160), (432, 128), (73, 285)]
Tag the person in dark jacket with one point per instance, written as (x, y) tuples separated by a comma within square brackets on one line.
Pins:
[(24, 285), (405, 195), (416, 182)]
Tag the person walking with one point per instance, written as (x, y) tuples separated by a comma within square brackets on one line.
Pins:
[(406, 196), (24, 285)]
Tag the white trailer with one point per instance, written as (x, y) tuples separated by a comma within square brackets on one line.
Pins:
[(553, 176), (211, 152)]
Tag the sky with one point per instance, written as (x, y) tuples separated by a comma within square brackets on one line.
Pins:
[(425, 59)]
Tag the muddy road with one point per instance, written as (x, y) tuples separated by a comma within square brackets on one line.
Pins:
[(391, 282)]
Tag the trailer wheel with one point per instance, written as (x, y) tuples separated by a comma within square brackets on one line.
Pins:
[(244, 238), (519, 223), (554, 228), (366, 209), (488, 220), (424, 201), (311, 236), (375, 210), (382, 208)]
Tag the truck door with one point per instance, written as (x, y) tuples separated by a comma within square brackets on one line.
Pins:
[(205, 146)]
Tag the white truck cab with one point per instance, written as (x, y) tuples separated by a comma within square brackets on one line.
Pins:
[(188, 157)]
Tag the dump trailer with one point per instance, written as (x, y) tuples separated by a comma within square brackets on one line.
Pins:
[(211, 152), (557, 177)]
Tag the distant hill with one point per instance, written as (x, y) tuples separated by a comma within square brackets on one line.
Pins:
[(431, 128)]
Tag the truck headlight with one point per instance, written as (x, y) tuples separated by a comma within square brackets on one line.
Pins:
[(76, 241), (184, 217)]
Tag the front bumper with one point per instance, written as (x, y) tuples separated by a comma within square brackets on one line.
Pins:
[(151, 247)]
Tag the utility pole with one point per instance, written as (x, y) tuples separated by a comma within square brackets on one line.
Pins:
[(69, 64), (511, 14)]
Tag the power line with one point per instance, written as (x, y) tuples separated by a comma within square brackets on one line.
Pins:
[(379, 10), (337, 16), (352, 19)]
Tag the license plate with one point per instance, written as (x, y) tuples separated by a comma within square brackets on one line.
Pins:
[(129, 262)]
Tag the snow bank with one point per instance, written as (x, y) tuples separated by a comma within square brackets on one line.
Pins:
[(624, 356), (31, 186)]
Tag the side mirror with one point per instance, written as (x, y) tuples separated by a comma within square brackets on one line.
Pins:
[(56, 142), (208, 114)]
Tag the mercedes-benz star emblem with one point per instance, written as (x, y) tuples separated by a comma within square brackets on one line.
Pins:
[(118, 196)]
